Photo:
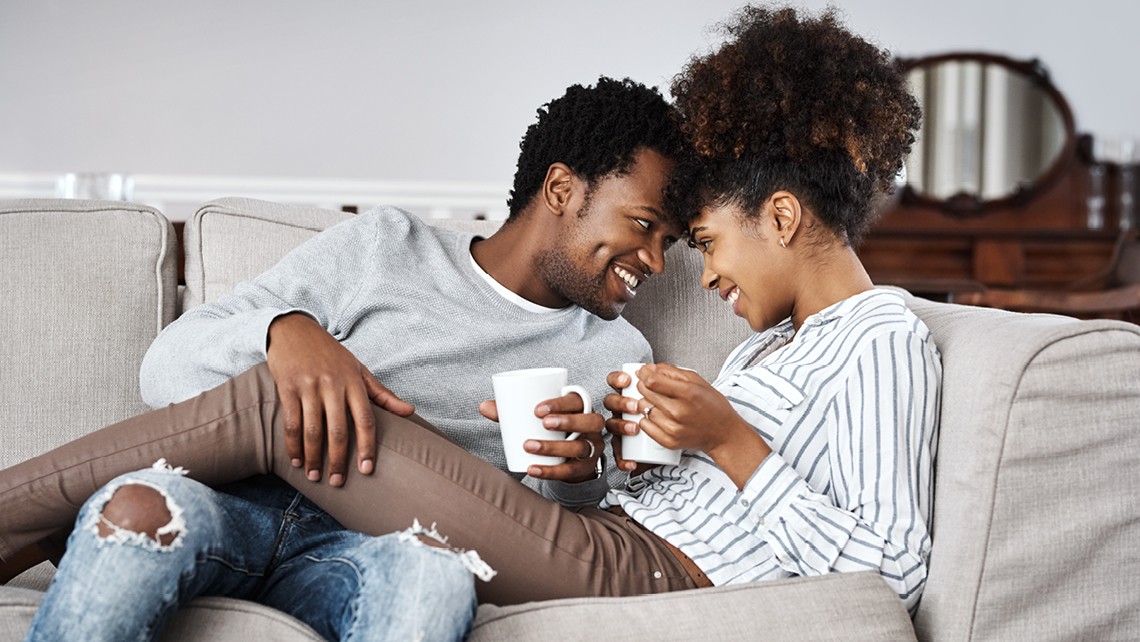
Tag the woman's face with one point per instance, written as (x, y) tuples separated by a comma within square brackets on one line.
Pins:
[(745, 263)]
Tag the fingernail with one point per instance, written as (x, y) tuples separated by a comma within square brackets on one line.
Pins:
[(629, 465), (531, 446), (534, 471), (551, 422), (542, 410), (336, 479), (296, 463), (314, 475), (631, 429), (366, 467), (631, 407)]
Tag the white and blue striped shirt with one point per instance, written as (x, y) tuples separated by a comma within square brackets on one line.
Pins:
[(850, 410)]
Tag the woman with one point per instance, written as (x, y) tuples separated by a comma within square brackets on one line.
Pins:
[(813, 450)]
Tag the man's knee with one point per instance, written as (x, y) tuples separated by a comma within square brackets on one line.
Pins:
[(139, 509)]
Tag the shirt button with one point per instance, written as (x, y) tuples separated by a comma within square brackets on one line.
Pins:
[(744, 502), (657, 575), (760, 521)]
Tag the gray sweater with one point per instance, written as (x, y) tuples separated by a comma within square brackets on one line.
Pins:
[(404, 298)]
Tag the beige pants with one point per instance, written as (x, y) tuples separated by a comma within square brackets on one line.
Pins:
[(539, 549)]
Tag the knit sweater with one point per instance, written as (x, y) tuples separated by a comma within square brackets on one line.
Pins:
[(405, 299)]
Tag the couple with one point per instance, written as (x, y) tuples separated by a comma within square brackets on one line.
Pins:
[(811, 452)]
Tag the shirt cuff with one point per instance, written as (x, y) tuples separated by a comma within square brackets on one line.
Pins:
[(264, 318), (576, 495)]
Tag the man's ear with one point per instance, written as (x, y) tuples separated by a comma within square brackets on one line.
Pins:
[(786, 215), (558, 188)]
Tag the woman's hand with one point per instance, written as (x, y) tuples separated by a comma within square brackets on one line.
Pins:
[(686, 412)]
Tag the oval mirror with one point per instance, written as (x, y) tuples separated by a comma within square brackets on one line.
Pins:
[(995, 131)]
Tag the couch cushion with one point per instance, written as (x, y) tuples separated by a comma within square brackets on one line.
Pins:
[(206, 619), (1036, 519), (685, 324), (231, 240), (85, 286), (849, 606)]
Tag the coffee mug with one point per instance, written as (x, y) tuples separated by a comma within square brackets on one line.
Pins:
[(517, 393), (641, 447)]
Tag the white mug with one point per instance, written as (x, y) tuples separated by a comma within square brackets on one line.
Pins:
[(517, 393), (641, 447)]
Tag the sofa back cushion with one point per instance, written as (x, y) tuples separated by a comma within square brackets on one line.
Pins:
[(1036, 514), (85, 287), (231, 240)]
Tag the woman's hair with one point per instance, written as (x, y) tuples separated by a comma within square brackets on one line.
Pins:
[(796, 102), (596, 131)]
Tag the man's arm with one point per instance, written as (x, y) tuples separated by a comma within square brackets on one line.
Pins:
[(291, 316)]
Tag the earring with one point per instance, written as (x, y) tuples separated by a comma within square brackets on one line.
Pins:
[(782, 243)]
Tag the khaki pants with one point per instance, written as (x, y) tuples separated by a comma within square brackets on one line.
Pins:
[(539, 549)]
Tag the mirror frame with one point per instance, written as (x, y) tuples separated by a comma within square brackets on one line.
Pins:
[(966, 205)]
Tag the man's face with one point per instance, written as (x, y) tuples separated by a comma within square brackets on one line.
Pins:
[(614, 241)]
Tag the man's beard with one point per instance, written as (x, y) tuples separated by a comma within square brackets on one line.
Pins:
[(562, 274)]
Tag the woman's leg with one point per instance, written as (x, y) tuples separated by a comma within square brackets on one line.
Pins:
[(220, 436), (539, 549)]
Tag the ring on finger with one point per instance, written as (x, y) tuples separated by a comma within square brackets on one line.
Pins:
[(589, 455), (648, 410)]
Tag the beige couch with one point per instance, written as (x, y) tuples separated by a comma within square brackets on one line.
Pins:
[(1037, 514)]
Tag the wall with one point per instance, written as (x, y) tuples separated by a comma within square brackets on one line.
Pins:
[(429, 91)]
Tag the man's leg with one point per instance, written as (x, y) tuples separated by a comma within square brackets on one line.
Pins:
[(146, 544), (351, 586)]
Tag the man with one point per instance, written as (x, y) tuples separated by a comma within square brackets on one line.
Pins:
[(384, 309)]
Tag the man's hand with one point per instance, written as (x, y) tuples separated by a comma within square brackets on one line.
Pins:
[(320, 383), (563, 414), (617, 426)]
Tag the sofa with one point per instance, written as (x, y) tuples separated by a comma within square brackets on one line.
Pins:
[(1036, 525)]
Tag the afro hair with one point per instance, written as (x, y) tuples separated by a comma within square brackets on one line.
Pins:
[(796, 102)]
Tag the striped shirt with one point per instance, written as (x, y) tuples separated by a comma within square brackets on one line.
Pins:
[(850, 410)]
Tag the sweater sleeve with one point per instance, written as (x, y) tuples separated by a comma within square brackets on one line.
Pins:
[(874, 516), (216, 341)]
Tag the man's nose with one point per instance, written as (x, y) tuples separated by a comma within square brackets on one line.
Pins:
[(653, 258)]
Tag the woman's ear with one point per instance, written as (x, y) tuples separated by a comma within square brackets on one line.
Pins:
[(558, 188), (786, 216)]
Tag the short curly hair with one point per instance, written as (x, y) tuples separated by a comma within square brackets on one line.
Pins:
[(797, 102), (595, 131)]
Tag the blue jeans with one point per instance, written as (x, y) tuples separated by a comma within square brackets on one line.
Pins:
[(259, 541)]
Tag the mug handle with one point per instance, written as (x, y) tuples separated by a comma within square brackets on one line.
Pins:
[(587, 405)]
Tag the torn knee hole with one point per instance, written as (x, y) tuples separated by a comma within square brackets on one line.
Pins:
[(136, 510)]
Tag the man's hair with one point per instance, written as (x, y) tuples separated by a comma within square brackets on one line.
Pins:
[(595, 131), (794, 102)]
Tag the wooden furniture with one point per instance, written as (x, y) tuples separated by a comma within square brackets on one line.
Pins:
[(1029, 248)]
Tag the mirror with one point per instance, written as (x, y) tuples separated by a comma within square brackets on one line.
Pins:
[(995, 131)]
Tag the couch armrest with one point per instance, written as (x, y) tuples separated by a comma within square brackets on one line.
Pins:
[(840, 606)]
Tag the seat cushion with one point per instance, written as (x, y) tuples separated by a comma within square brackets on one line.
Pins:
[(851, 606), (207, 619)]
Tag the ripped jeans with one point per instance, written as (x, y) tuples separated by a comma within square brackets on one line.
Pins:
[(258, 540)]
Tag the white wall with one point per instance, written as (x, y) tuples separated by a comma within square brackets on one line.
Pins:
[(421, 90)]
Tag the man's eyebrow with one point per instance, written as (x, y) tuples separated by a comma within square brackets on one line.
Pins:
[(651, 210), (693, 232)]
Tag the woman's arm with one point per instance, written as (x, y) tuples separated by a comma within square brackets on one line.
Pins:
[(874, 514)]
